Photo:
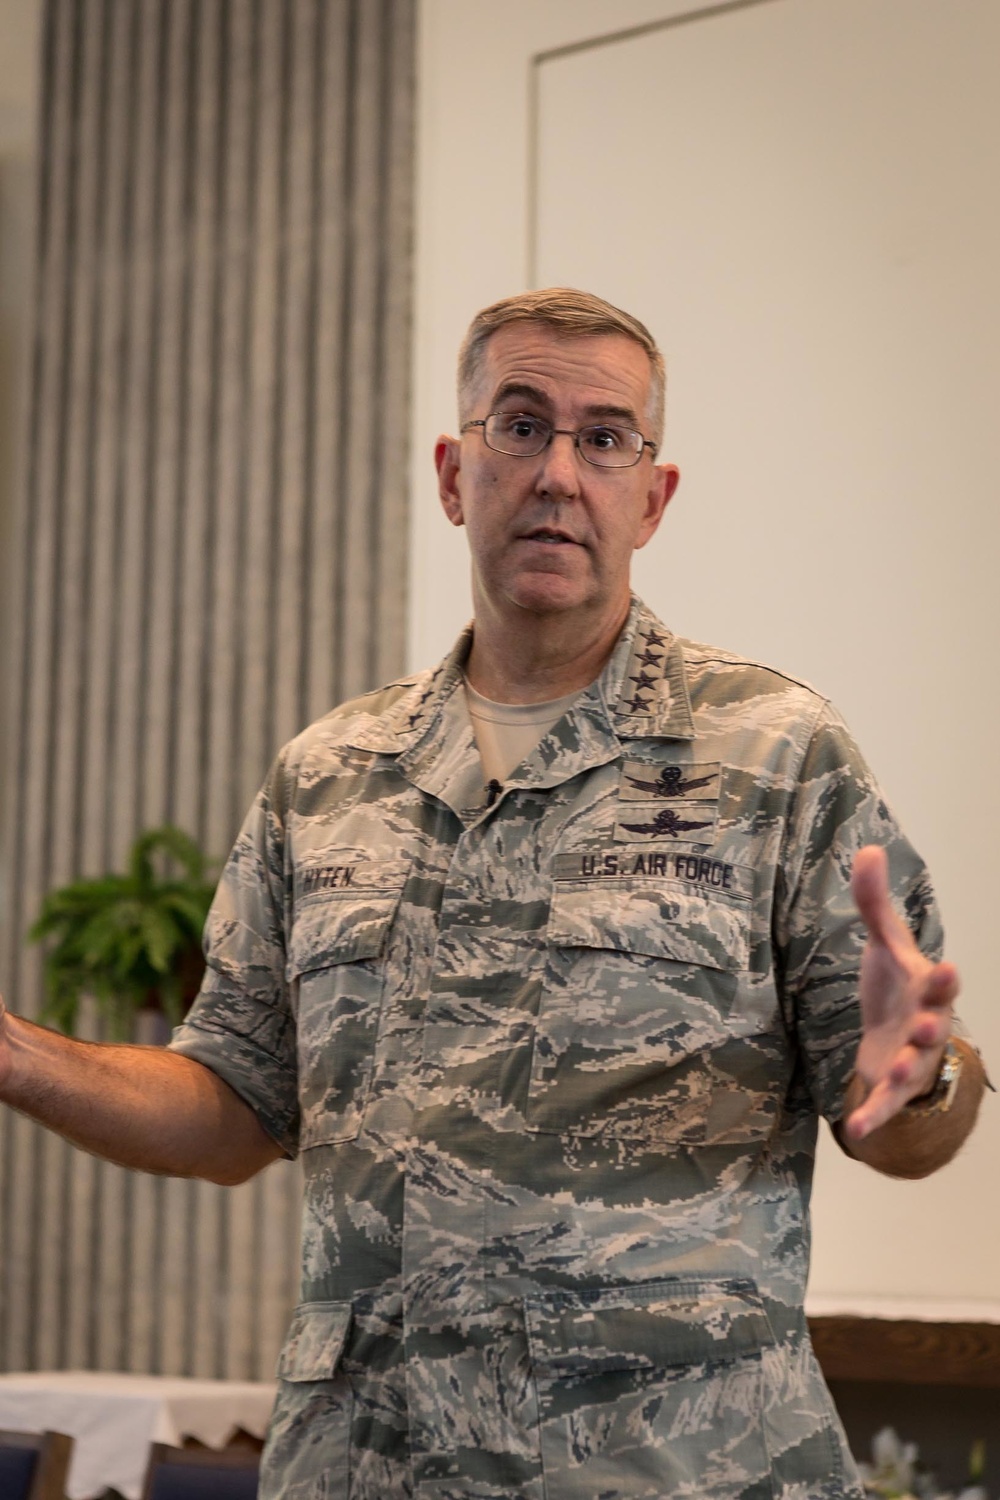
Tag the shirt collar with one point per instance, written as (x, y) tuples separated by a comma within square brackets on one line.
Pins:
[(644, 682), (641, 693)]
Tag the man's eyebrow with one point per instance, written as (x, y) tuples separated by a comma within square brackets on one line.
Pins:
[(612, 413), (523, 392), (600, 412)]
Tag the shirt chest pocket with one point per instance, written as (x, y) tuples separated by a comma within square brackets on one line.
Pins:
[(640, 979), (336, 971)]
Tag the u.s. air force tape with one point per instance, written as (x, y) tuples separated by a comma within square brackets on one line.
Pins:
[(629, 862)]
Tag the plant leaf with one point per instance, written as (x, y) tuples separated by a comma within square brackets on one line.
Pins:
[(121, 937), (173, 842)]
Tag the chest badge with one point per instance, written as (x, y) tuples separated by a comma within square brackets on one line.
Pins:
[(668, 801), (671, 782), (650, 781), (668, 823)]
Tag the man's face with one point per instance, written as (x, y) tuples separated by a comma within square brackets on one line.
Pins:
[(554, 533)]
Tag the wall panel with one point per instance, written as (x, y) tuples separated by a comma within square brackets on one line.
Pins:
[(209, 554), (518, 123)]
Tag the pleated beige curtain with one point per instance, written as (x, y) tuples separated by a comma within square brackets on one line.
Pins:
[(210, 554)]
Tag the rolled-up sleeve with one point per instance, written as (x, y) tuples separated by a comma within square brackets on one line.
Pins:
[(837, 809)]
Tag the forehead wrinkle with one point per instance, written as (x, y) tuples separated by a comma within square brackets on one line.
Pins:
[(556, 370)]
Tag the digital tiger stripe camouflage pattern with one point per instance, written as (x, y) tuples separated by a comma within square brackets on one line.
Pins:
[(554, 1067)]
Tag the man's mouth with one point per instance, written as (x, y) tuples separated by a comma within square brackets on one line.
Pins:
[(551, 536)]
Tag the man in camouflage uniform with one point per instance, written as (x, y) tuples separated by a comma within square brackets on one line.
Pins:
[(551, 1012)]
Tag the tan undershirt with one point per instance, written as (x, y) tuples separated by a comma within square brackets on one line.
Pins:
[(507, 732)]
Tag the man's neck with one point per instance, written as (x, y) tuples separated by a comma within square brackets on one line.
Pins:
[(536, 658)]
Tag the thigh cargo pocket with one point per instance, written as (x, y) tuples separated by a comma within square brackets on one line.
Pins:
[(639, 982), (336, 969), (307, 1454), (652, 1390)]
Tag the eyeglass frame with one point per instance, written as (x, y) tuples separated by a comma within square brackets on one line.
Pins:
[(562, 432)]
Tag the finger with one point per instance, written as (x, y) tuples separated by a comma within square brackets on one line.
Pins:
[(934, 1011), (931, 1028), (876, 1109), (942, 985), (914, 1068), (883, 1103), (911, 1073)]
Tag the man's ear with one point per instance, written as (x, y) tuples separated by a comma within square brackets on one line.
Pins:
[(666, 478), (447, 461)]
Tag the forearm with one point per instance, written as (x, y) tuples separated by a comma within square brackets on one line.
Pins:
[(142, 1107), (914, 1143)]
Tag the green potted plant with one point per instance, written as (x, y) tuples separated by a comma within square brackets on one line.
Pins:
[(132, 941)]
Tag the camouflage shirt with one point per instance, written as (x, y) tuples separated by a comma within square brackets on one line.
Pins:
[(554, 1065)]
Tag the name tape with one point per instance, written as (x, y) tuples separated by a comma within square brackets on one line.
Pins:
[(364, 875)]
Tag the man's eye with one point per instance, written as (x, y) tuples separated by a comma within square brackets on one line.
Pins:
[(523, 427), (604, 439)]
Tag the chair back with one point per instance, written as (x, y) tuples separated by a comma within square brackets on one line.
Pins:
[(201, 1473), (33, 1465)]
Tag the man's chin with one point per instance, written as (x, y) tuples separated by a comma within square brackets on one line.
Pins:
[(548, 593)]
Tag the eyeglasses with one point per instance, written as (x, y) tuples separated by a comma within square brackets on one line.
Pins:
[(524, 436)]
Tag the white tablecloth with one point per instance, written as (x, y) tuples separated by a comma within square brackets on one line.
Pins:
[(114, 1418)]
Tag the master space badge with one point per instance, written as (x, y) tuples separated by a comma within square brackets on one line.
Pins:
[(645, 781)]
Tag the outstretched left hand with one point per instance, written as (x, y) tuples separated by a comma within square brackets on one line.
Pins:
[(906, 1004)]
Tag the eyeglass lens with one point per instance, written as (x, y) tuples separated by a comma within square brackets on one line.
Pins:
[(518, 433)]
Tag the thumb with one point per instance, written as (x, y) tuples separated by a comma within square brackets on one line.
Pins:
[(870, 889)]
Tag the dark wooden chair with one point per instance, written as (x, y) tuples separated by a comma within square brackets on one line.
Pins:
[(33, 1465), (201, 1473)]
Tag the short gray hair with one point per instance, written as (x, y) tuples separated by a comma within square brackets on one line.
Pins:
[(572, 313)]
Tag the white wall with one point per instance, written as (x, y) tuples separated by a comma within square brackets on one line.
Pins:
[(812, 231)]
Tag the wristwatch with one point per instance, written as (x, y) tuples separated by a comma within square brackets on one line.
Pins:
[(939, 1098)]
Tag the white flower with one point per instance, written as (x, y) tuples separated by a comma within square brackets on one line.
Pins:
[(892, 1472)]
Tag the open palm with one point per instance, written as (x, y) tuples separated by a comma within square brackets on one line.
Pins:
[(906, 1003)]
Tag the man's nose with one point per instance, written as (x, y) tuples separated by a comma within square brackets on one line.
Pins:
[(559, 475)]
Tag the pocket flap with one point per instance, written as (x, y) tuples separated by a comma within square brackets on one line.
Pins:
[(648, 1327), (658, 920), (315, 1341), (346, 923)]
